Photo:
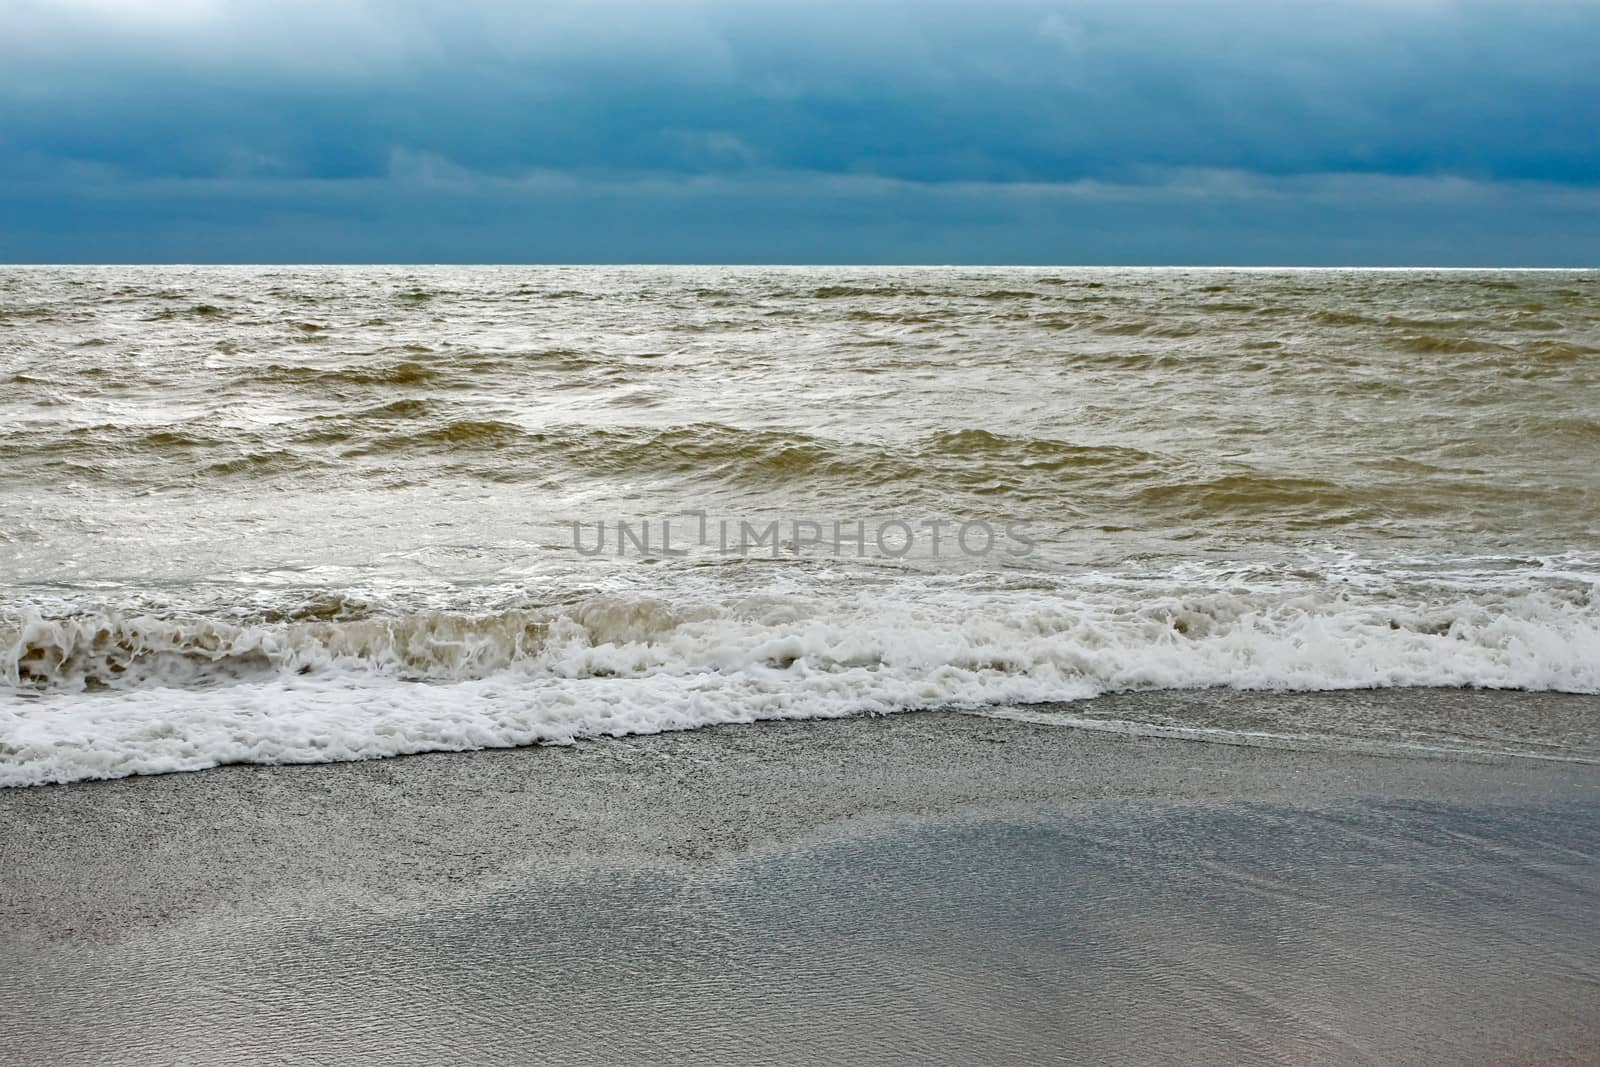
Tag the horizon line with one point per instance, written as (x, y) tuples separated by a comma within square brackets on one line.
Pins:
[(798, 265)]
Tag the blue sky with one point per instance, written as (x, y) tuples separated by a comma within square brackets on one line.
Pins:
[(1029, 131)]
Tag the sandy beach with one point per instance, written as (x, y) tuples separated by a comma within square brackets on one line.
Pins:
[(929, 887)]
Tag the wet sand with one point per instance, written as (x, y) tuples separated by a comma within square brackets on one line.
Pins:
[(919, 888)]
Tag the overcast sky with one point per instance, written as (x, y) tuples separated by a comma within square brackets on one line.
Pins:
[(990, 131)]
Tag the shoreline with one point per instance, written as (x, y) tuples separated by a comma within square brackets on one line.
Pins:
[(1401, 721), (803, 779), (758, 864)]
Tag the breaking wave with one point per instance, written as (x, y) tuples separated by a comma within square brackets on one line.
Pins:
[(108, 692)]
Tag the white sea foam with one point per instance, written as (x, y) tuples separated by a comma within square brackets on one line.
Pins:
[(101, 693)]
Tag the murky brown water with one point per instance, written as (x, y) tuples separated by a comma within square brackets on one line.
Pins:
[(285, 514)]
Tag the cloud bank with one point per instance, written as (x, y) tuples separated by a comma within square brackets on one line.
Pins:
[(1421, 131)]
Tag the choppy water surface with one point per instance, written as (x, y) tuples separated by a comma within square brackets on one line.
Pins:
[(325, 513)]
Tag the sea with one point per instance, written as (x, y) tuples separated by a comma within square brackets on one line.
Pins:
[(311, 514)]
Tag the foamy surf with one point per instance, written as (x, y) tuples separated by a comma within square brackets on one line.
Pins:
[(298, 514), (308, 676)]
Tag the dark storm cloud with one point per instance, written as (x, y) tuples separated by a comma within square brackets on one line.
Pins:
[(992, 118)]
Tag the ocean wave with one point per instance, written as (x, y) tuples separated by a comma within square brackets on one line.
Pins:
[(1028, 469), (1248, 493), (115, 649), (836, 292), (404, 372), (110, 692), (1444, 344), (1020, 450)]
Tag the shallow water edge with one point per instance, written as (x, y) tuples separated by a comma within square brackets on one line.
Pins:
[(930, 887)]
